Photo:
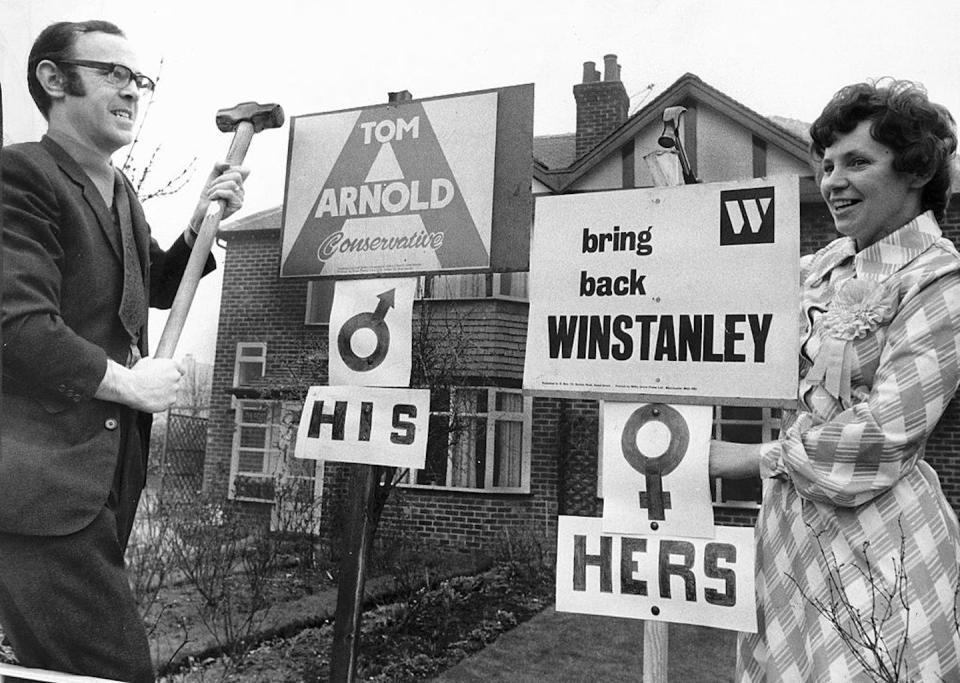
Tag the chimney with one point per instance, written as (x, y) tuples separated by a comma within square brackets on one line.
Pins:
[(602, 105), (399, 96)]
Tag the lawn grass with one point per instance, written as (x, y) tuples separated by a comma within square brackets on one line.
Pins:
[(557, 646)]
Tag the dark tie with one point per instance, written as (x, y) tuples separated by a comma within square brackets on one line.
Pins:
[(133, 305)]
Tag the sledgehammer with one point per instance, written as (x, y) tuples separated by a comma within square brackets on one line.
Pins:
[(245, 119)]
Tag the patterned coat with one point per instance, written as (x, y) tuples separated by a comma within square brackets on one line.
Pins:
[(854, 530)]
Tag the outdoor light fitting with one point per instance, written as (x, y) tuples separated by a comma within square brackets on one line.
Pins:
[(671, 126), (670, 139)]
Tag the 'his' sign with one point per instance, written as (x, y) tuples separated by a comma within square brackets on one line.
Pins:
[(687, 294), (708, 582), (369, 426), (400, 188)]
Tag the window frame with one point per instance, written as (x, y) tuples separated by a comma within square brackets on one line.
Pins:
[(240, 359), (317, 310), (492, 417), (278, 433), (492, 287), (524, 279)]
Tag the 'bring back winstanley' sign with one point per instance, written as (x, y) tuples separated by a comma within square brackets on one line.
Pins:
[(685, 294)]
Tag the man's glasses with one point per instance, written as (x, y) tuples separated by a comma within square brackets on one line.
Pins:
[(117, 74)]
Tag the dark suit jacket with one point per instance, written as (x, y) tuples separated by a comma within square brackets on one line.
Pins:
[(62, 283)]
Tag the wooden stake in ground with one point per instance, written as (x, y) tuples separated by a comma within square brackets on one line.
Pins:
[(358, 536)]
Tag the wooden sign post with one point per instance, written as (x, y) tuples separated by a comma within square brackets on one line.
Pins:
[(358, 537)]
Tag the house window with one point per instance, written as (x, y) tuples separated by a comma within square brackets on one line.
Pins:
[(474, 286), (479, 440), (742, 425), (262, 459), (251, 363), (510, 285), (456, 286), (319, 302)]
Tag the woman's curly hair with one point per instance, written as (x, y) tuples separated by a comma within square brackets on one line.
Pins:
[(921, 134)]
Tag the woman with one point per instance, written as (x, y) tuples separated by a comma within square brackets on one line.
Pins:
[(857, 549)]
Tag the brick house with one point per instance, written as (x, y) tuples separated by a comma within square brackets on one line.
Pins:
[(523, 460)]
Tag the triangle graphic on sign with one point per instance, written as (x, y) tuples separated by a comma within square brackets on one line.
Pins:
[(421, 184), (385, 166)]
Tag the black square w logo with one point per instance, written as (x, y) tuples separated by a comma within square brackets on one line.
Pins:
[(746, 216)]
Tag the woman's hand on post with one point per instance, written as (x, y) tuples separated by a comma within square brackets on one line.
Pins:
[(731, 460)]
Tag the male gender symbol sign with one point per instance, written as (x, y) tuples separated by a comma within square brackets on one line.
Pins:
[(372, 320), (655, 499)]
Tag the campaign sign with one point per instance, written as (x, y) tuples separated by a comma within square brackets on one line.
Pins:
[(370, 332), (655, 469), (683, 294), (706, 582), (365, 425), (406, 187)]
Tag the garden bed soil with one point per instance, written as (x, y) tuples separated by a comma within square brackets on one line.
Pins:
[(413, 639)]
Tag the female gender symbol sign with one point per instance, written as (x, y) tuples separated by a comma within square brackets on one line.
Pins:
[(655, 499), (373, 320)]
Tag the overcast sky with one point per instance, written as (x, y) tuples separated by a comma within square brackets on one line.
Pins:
[(778, 58)]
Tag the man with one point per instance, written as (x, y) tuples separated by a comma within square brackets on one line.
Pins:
[(79, 272)]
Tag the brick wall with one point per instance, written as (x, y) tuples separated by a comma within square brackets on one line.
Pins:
[(951, 221), (259, 307), (816, 229)]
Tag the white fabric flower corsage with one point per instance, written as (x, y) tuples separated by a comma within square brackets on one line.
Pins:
[(857, 308)]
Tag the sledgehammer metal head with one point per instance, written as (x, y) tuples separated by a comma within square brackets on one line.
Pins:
[(259, 115), (245, 120)]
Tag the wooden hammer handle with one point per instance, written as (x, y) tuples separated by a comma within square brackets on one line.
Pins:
[(200, 252)]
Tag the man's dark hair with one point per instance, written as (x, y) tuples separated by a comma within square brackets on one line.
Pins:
[(921, 134), (56, 42)]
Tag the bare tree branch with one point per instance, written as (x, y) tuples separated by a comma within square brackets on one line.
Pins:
[(863, 633), (139, 176)]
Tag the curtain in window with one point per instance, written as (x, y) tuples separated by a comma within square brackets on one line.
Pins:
[(507, 451), (514, 284), (508, 444), (463, 454), (468, 286)]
